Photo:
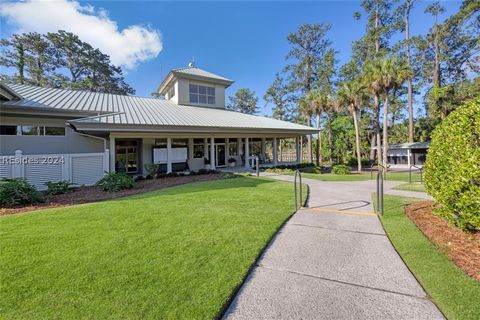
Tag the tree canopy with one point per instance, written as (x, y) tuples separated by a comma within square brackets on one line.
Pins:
[(60, 60)]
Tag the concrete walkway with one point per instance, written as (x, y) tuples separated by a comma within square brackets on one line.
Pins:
[(332, 260)]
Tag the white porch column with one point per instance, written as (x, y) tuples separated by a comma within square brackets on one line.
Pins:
[(297, 149), (212, 153), (408, 157), (169, 155), (239, 146), (227, 149), (275, 147), (190, 148), (112, 154), (247, 153), (205, 147)]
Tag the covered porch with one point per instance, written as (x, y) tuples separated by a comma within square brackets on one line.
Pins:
[(130, 152)]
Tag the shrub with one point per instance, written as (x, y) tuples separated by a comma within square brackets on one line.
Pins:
[(340, 169), (452, 169), (16, 192), (116, 181), (152, 168), (59, 187)]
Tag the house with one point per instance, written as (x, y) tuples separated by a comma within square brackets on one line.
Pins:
[(49, 134), (414, 153)]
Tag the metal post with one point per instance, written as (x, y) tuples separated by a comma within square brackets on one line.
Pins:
[(295, 191), (380, 192), (297, 173), (410, 175)]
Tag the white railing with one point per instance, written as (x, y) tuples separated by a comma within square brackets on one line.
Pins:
[(77, 168)]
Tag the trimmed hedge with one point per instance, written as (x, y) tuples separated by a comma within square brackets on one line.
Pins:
[(452, 169), (341, 169)]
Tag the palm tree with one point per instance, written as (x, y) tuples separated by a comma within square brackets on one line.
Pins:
[(306, 110), (318, 103), (371, 78), (352, 94), (393, 74)]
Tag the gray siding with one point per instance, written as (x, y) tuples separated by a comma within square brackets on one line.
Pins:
[(72, 142)]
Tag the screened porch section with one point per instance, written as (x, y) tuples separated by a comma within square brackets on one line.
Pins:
[(194, 154)]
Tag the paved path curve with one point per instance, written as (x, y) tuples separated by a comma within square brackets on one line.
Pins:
[(332, 260)]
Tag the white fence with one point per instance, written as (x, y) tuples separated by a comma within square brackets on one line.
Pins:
[(77, 168)]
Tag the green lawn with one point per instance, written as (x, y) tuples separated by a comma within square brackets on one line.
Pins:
[(455, 293), (174, 253), (414, 186)]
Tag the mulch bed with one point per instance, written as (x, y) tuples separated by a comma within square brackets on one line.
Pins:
[(463, 248), (93, 194)]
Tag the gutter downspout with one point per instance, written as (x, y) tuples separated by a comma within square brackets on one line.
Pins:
[(106, 151)]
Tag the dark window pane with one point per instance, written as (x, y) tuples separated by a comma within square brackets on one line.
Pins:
[(211, 91), (211, 100), (161, 143), (198, 151), (202, 99), (179, 143), (54, 131), (8, 130), (193, 98), (202, 89), (30, 130), (197, 141), (193, 88)]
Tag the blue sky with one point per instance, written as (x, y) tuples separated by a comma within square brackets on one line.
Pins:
[(244, 41)]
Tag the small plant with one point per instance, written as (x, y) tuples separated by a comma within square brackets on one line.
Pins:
[(152, 168), (59, 187), (232, 160), (206, 161), (116, 181), (18, 192), (340, 169)]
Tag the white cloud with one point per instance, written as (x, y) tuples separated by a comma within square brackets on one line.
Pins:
[(126, 47)]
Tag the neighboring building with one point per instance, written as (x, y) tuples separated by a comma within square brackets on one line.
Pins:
[(408, 153), (96, 132)]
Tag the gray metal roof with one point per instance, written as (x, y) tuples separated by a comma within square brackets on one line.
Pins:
[(142, 112), (194, 71), (412, 145)]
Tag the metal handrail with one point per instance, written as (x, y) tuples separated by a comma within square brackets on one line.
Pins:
[(299, 175), (378, 170), (410, 173), (379, 193)]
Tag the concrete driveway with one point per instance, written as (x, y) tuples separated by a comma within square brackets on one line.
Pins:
[(332, 260)]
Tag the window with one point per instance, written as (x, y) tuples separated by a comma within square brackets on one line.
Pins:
[(201, 94), (29, 130), (232, 148), (198, 148), (171, 92), (54, 131), (8, 130), (126, 156)]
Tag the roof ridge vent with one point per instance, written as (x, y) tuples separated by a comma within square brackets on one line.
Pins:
[(191, 64)]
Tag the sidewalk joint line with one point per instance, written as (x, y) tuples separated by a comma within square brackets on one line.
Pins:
[(342, 282), (334, 229), (331, 210)]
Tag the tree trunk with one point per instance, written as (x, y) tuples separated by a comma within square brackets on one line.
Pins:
[(408, 7), (357, 140), (21, 63), (319, 141), (385, 133), (376, 119), (372, 145), (330, 138)]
